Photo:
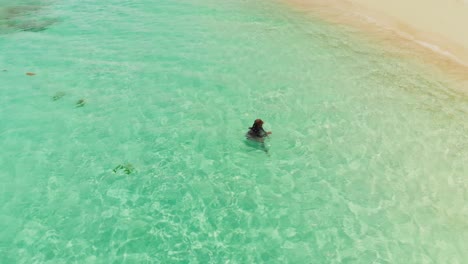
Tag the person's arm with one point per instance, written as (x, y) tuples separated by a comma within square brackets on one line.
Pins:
[(265, 133)]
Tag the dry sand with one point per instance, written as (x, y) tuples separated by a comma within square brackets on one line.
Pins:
[(437, 28), (439, 24)]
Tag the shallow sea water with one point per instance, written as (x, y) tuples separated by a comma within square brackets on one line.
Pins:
[(367, 163)]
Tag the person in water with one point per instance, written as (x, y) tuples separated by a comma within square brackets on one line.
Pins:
[(256, 132)]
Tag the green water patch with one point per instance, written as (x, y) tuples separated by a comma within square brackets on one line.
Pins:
[(367, 161)]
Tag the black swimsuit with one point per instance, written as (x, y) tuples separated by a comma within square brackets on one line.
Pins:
[(257, 132)]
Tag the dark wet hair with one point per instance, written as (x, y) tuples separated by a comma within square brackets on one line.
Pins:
[(257, 122), (257, 127)]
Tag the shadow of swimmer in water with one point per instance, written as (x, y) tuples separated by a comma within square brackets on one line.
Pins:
[(256, 135)]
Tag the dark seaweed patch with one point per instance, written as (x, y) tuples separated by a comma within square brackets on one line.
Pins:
[(58, 96), (80, 103), (125, 168), (28, 18)]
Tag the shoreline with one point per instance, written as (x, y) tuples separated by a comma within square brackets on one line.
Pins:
[(443, 45)]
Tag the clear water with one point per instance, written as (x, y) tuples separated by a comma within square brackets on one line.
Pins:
[(367, 163)]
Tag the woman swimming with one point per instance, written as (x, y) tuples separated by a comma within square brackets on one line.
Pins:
[(256, 132)]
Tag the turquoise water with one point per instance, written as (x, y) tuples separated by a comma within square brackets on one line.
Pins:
[(367, 163)]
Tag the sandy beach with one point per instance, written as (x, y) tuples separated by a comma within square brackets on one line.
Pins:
[(439, 27)]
